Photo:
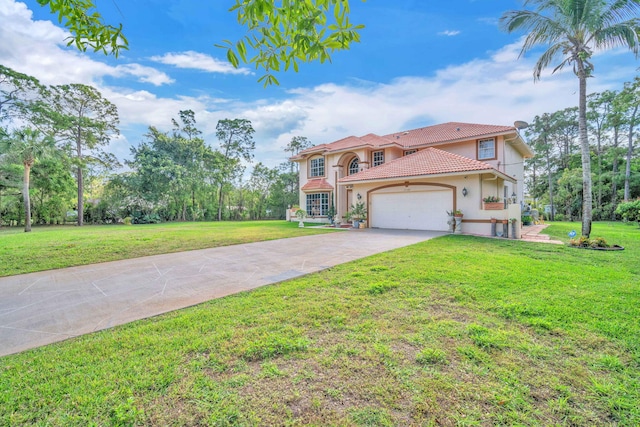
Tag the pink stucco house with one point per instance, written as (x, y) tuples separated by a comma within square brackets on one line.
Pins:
[(411, 179)]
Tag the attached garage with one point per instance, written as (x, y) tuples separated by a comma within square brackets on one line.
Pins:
[(411, 208)]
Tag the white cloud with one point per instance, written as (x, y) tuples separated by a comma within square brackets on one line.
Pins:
[(145, 74), (449, 33), (496, 88), (198, 61), (38, 48)]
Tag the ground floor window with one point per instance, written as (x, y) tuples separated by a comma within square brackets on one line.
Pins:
[(317, 204)]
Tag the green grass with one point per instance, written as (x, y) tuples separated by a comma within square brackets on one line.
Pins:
[(47, 248), (458, 330)]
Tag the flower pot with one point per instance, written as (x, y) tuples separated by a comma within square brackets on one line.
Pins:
[(493, 206), (458, 227)]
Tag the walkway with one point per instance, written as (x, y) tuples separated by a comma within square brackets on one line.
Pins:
[(49, 306), (531, 233)]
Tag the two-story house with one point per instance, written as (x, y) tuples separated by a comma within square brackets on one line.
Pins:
[(412, 179)]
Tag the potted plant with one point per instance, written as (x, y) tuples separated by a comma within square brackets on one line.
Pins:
[(331, 213), (358, 212), (492, 203), (457, 216), (526, 219), (300, 214), (493, 226)]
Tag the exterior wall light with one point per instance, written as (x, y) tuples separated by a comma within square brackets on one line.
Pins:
[(464, 192), (359, 196)]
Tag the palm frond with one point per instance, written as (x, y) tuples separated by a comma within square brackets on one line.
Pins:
[(548, 57), (621, 35)]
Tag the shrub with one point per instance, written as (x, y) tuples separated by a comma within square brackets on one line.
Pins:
[(127, 220), (558, 217), (585, 242), (491, 199), (629, 211)]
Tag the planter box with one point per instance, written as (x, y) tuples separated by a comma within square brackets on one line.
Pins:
[(493, 206)]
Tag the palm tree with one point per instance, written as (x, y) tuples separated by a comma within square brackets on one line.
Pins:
[(573, 30), (26, 146)]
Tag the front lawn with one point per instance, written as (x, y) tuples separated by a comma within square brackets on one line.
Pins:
[(46, 248), (458, 330)]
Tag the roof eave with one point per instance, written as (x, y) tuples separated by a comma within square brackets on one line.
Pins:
[(466, 138), (435, 175)]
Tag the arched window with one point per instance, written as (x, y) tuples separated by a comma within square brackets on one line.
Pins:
[(354, 166)]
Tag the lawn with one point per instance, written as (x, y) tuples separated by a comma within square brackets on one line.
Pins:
[(458, 330), (47, 248)]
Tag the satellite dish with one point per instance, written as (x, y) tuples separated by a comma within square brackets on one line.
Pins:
[(519, 124)]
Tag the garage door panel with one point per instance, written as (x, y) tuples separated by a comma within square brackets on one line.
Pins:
[(411, 210)]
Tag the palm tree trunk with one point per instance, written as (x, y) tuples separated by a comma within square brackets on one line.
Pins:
[(614, 174), (587, 198), (26, 198)]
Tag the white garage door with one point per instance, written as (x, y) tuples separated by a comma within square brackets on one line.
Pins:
[(411, 210)]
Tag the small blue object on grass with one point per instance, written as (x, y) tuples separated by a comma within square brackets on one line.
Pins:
[(572, 234)]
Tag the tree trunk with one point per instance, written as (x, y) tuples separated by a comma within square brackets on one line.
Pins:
[(80, 180), (587, 198), (25, 197), (627, 174), (80, 197), (599, 202), (614, 174), (552, 214), (220, 194)]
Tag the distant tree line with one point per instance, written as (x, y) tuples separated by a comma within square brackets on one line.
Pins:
[(554, 174), (54, 167)]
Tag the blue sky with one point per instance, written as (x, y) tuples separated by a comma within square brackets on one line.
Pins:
[(419, 63)]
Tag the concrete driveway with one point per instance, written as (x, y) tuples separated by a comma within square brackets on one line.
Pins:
[(49, 306)]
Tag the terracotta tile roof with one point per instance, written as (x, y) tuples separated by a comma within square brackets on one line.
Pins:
[(430, 135), (452, 131), (317, 184), (430, 161)]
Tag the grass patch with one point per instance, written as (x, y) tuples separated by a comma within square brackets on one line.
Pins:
[(46, 248), (475, 332)]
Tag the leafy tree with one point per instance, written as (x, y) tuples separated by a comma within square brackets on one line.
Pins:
[(599, 106), (628, 101), (83, 122), (540, 133), (287, 32), (53, 189), (236, 145), (296, 145), (261, 182), (26, 146), (17, 92), (173, 171), (87, 27), (280, 33), (573, 30)]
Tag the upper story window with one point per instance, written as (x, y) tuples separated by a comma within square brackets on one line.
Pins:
[(316, 167), (354, 166), (378, 158), (487, 149), (407, 152)]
